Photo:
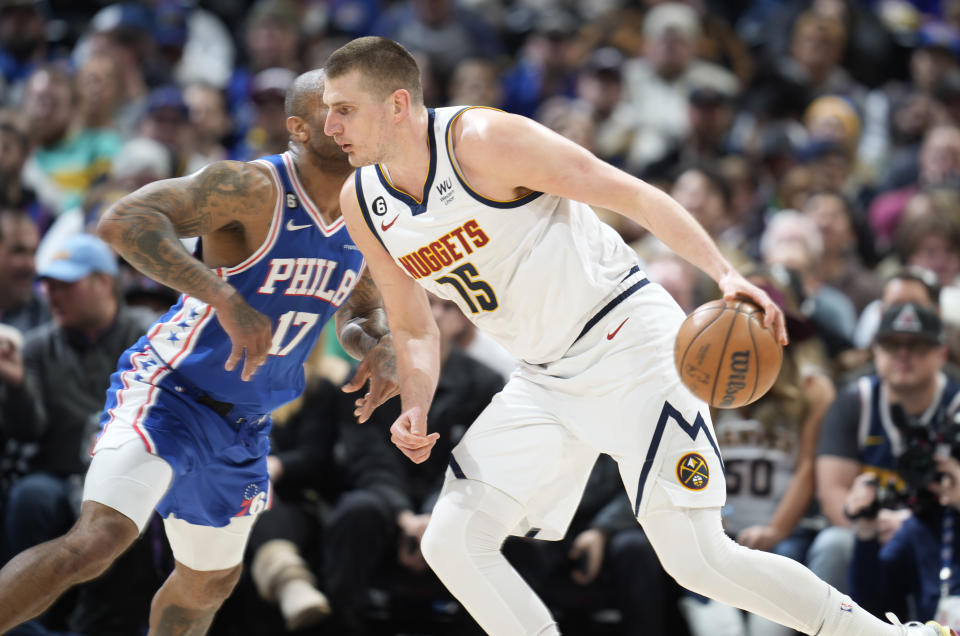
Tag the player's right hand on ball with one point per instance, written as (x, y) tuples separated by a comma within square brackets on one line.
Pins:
[(250, 333), (409, 434)]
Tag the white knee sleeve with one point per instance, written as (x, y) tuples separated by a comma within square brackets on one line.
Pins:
[(462, 545), (694, 549)]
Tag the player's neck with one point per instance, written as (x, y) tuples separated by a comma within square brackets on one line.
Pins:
[(322, 184), (409, 162)]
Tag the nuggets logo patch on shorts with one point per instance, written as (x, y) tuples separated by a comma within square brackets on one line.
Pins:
[(693, 473)]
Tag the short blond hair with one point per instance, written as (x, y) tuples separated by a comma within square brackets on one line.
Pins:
[(385, 65)]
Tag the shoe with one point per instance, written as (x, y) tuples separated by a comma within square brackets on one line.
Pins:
[(913, 628), (302, 605)]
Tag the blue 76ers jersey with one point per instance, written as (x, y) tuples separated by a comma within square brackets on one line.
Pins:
[(302, 273)]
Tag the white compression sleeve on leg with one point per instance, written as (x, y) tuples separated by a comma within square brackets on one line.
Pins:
[(462, 545), (694, 549)]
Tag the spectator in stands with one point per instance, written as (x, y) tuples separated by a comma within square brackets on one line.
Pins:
[(268, 134), (67, 367), (167, 120), (939, 164), (444, 31), (99, 92), (543, 69), (123, 32), (475, 82), (932, 240), (20, 305), (920, 560), (817, 44), (653, 114), (859, 433), (66, 370), (271, 40), (23, 44), (839, 264), (66, 160), (14, 194), (906, 285), (212, 126), (793, 241)]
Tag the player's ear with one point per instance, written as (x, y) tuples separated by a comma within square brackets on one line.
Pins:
[(297, 128), (400, 101)]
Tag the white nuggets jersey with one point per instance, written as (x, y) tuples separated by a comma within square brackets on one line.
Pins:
[(530, 272), (758, 463)]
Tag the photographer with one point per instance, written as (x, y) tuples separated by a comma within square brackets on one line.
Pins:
[(920, 560), (861, 432)]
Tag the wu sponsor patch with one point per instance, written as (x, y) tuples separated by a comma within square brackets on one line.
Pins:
[(693, 473)]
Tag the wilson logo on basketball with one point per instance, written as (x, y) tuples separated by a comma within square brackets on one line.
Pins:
[(737, 380)]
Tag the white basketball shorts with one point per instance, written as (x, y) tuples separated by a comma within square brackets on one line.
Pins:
[(616, 391)]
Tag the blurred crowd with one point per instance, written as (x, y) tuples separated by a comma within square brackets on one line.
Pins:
[(818, 142)]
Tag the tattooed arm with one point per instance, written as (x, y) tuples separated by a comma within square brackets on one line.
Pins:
[(145, 228), (361, 320), (363, 333)]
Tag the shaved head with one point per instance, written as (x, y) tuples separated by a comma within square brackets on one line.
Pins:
[(304, 100), (306, 88)]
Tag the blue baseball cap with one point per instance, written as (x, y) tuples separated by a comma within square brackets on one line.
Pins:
[(939, 35), (79, 256)]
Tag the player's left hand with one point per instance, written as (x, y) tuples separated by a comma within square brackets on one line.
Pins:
[(734, 286), (379, 366), (409, 434), (759, 537), (588, 545)]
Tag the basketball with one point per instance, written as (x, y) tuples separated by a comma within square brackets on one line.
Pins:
[(724, 354)]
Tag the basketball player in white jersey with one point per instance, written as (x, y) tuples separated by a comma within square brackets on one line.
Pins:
[(483, 208)]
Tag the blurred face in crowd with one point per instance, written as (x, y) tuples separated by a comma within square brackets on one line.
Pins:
[(694, 191), (18, 245), (169, 126), (271, 116), (817, 44), (710, 119), (940, 155), (99, 83), (433, 12), (22, 31), (936, 253), (99, 79), (670, 53), (272, 42), (929, 65), (829, 212), (48, 105), (475, 83), (908, 363), (208, 111), (84, 304), (914, 115), (13, 154), (601, 90)]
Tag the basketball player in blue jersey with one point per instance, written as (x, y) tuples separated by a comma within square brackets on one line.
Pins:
[(186, 423), (490, 210)]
